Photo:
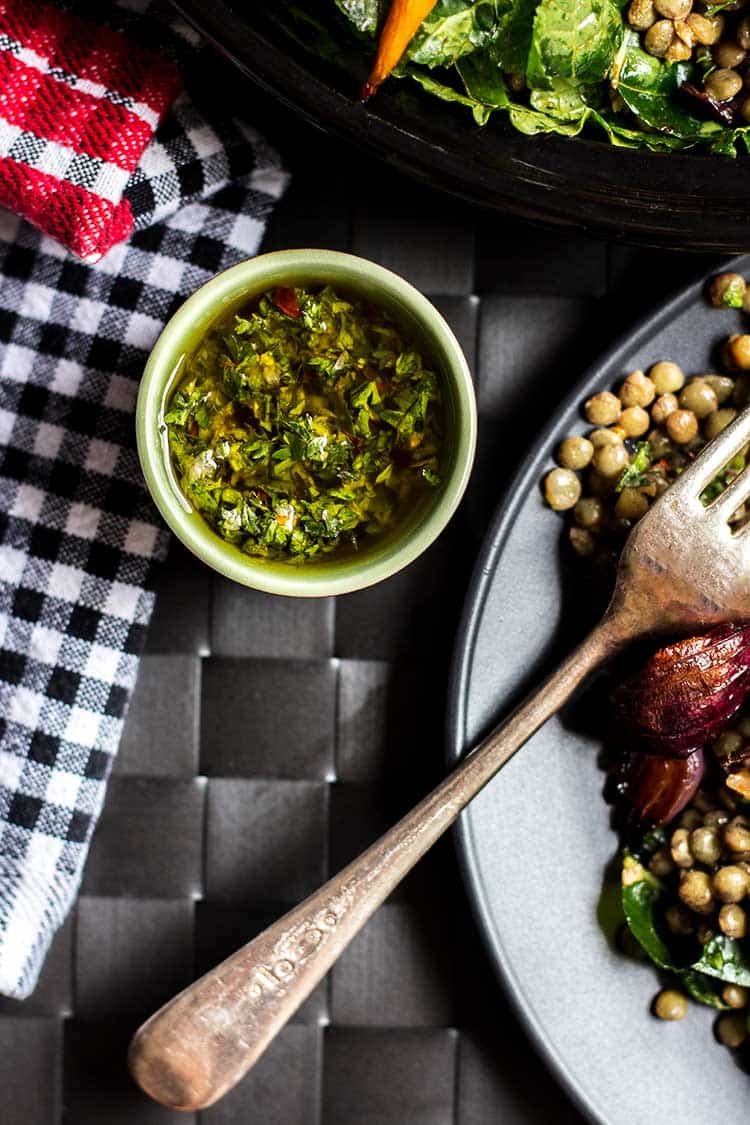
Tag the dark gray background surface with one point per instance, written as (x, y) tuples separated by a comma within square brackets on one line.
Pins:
[(269, 740)]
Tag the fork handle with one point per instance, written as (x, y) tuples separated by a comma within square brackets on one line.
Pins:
[(203, 1041)]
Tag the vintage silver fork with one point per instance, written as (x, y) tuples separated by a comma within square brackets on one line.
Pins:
[(683, 569)]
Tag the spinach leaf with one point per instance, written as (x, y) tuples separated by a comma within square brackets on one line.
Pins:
[(550, 111), (721, 959), (727, 959), (649, 87), (446, 93), (573, 39), (561, 101), (364, 14), (705, 990), (625, 136), (483, 80), (728, 140), (532, 121), (567, 52), (642, 895), (560, 111), (452, 29), (513, 40)]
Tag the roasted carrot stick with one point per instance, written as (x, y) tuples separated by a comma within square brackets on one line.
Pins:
[(402, 24)]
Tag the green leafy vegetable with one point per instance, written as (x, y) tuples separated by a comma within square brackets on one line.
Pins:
[(725, 477), (649, 87), (727, 959), (560, 101), (306, 425), (364, 14), (531, 121), (653, 839), (703, 989), (483, 81), (453, 28), (712, 9), (513, 40), (480, 111), (635, 474), (733, 295), (642, 894), (698, 969), (575, 40), (555, 66)]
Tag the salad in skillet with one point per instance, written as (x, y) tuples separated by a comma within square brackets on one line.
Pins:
[(679, 752), (654, 74)]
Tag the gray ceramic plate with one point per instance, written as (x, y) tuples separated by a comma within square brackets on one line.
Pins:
[(536, 842)]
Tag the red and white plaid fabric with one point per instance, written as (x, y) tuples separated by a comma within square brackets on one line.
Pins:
[(79, 102)]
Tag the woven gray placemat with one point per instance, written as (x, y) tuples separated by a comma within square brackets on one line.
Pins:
[(215, 823)]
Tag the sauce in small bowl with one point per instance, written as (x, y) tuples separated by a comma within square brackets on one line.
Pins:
[(306, 423)]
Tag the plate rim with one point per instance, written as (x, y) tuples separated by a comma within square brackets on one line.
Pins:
[(490, 555)]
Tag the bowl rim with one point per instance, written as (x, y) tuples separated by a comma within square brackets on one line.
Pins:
[(162, 371)]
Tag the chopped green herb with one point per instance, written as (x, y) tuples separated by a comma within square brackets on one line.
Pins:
[(734, 294), (635, 474), (306, 425), (725, 477)]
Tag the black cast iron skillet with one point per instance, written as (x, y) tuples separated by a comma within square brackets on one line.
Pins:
[(694, 202)]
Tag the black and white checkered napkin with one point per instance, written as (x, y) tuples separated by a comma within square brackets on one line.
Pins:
[(79, 538)]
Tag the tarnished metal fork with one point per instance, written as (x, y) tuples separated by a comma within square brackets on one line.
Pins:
[(682, 570)]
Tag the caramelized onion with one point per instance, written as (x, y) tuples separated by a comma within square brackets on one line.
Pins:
[(688, 691), (660, 788)]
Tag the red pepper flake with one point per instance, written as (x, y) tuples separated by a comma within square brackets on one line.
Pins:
[(354, 440), (286, 300)]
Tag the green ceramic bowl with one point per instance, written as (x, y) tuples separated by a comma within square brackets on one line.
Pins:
[(418, 318)]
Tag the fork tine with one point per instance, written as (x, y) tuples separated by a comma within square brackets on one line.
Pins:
[(736, 492), (712, 459)]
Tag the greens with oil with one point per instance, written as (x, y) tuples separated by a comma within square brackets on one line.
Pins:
[(305, 426), (664, 75)]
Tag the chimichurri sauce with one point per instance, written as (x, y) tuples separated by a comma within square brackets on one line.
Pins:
[(305, 427)]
